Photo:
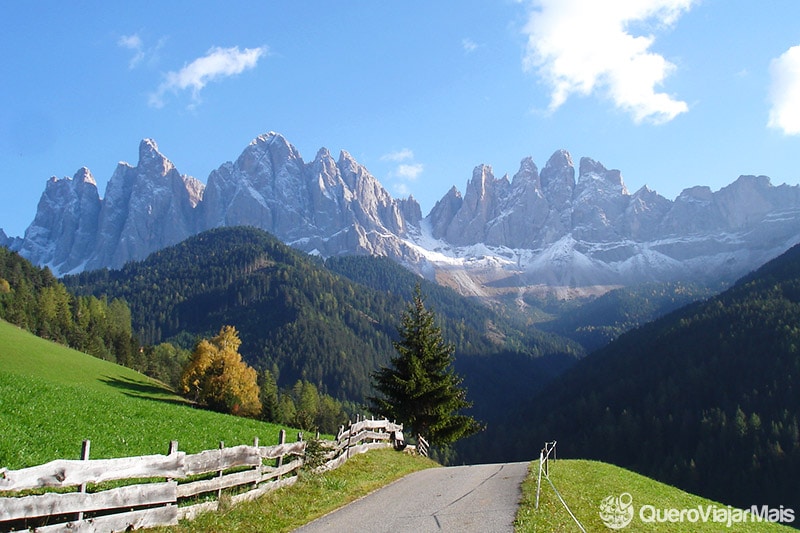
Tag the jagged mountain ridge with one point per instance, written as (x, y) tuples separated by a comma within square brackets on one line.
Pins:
[(539, 230)]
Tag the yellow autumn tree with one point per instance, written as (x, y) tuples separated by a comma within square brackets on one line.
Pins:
[(217, 377)]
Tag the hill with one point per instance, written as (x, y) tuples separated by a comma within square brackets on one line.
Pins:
[(596, 321), (296, 317), (52, 397), (704, 398), (584, 485)]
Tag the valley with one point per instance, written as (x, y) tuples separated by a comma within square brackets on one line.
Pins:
[(596, 316)]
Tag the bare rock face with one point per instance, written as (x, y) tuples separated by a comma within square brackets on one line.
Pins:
[(63, 232), (327, 206), (539, 228), (549, 229), (146, 208)]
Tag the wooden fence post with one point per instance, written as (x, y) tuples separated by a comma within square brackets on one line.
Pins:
[(539, 479), (281, 440), (258, 468), (219, 491), (173, 448), (85, 447)]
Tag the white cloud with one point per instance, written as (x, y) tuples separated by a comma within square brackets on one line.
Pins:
[(469, 45), (784, 92), (401, 189), (133, 42), (141, 53), (216, 64), (585, 46), (399, 155), (405, 170), (409, 171)]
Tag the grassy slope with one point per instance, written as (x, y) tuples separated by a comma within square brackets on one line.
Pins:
[(584, 484), (51, 398)]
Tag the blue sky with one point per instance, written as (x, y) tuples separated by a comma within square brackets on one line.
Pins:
[(674, 93)]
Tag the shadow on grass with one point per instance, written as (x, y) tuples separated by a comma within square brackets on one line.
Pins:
[(144, 389)]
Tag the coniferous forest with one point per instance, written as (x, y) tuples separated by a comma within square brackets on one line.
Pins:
[(703, 398), (330, 323)]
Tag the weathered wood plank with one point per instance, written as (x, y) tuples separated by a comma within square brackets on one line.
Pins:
[(264, 489), (207, 485), (333, 464), (384, 425), (74, 502), (288, 468), (190, 512), (157, 516), (215, 460), (71, 473), (279, 450)]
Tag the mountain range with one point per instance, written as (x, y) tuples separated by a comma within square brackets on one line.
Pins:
[(560, 229)]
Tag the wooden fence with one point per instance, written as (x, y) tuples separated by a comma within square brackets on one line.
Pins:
[(158, 490)]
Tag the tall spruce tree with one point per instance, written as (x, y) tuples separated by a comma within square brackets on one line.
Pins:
[(420, 387)]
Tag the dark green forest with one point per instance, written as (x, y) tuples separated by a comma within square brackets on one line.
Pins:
[(705, 398), (331, 324), (595, 322)]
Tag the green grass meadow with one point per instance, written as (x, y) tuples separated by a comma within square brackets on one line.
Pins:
[(584, 484), (52, 398)]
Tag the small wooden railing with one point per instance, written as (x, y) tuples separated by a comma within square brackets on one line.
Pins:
[(158, 490)]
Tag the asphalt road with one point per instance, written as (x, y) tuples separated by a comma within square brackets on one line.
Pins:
[(474, 498)]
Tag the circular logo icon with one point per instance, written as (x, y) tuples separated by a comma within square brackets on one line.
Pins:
[(616, 512)]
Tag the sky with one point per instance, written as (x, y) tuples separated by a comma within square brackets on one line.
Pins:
[(674, 93)]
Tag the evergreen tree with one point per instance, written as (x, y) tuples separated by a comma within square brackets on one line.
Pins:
[(420, 388), (269, 397)]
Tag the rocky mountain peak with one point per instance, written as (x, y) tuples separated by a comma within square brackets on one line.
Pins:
[(591, 169), (528, 173), (558, 179), (482, 181), (151, 161), (84, 175)]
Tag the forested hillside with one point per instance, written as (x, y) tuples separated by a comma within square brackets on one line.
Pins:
[(33, 299), (705, 398), (297, 318), (597, 321)]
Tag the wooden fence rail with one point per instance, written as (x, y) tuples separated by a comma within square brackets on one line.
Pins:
[(163, 489)]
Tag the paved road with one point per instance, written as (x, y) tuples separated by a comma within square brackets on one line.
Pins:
[(476, 498)]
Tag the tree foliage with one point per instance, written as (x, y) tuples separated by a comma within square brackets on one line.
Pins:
[(217, 377), (301, 406), (33, 299), (705, 398), (420, 388)]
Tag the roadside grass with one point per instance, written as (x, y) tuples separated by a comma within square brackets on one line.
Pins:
[(52, 398), (313, 496), (584, 485)]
